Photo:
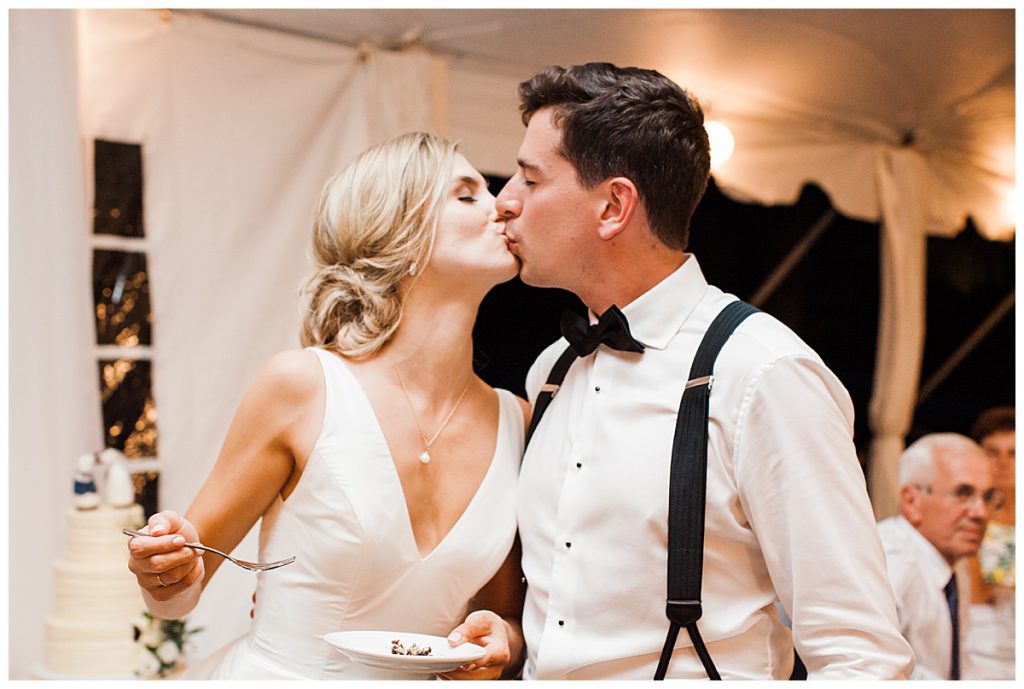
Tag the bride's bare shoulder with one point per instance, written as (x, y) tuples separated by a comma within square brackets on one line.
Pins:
[(292, 374)]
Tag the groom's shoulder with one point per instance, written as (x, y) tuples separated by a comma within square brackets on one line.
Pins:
[(548, 356)]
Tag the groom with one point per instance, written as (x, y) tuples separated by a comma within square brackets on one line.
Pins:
[(612, 165)]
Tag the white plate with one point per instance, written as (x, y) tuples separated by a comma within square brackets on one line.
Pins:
[(373, 648)]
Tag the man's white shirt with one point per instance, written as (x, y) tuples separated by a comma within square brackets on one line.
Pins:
[(919, 575), (787, 510)]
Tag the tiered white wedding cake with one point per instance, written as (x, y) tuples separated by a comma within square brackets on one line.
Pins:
[(97, 600)]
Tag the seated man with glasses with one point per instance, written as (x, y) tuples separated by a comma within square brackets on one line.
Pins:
[(946, 499)]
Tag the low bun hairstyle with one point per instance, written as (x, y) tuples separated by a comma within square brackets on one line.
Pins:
[(374, 221)]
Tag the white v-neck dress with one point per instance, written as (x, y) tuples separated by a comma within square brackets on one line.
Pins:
[(357, 565)]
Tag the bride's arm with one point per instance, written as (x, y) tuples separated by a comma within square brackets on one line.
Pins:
[(496, 620), (495, 624), (263, 455)]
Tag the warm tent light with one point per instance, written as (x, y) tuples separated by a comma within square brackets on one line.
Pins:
[(1011, 205), (722, 143)]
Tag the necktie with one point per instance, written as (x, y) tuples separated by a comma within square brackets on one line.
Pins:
[(611, 329), (953, 600)]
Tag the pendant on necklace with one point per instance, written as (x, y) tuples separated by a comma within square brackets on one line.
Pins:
[(425, 457)]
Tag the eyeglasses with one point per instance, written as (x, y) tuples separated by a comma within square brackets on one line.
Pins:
[(964, 495)]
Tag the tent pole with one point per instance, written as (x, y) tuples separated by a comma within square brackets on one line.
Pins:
[(967, 347), (782, 271)]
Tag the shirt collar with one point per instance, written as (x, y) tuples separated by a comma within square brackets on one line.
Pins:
[(933, 565), (658, 314)]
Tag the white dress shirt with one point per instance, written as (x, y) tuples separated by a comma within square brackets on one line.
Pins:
[(919, 575), (787, 511)]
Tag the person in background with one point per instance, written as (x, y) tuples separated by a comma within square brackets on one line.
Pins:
[(993, 571), (613, 162), (946, 498), (375, 455)]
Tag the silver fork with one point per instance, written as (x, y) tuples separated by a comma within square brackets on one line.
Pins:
[(244, 564)]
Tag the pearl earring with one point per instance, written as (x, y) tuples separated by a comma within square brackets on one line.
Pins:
[(412, 268)]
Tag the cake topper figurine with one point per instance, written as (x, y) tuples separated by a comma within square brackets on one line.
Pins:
[(109, 469), (86, 497), (117, 488)]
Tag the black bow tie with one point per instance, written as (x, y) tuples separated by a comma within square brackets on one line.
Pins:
[(611, 329)]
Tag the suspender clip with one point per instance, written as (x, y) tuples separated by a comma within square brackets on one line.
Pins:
[(706, 380), (683, 612), (549, 387)]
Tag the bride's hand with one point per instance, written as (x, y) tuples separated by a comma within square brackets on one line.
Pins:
[(487, 629), (161, 563)]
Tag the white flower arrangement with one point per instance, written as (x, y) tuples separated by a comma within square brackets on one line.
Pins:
[(148, 665), (161, 644), (167, 653)]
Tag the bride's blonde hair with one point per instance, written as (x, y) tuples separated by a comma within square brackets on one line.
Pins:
[(375, 224)]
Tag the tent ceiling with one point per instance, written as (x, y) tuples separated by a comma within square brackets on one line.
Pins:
[(941, 79), (533, 38)]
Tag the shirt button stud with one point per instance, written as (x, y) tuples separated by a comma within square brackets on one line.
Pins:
[(579, 465), (561, 623), (568, 544), (597, 388)]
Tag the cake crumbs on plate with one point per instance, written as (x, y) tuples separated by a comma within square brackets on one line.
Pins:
[(399, 649)]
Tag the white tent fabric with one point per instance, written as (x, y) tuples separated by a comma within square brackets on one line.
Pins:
[(240, 128), (54, 405), (820, 95)]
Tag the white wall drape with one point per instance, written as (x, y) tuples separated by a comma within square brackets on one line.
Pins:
[(54, 411), (484, 114), (239, 127)]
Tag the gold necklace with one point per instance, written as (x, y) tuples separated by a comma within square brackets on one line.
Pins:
[(425, 457)]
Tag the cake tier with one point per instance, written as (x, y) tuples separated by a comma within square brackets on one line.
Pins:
[(95, 535), (90, 591), (91, 648), (96, 598)]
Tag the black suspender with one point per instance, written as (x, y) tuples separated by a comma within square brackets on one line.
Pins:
[(687, 483), (549, 389), (687, 487)]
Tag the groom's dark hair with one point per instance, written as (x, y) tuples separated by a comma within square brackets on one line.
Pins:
[(634, 123)]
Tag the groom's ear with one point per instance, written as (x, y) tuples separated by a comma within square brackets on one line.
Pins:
[(619, 200)]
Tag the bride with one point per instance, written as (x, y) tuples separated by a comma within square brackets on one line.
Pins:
[(374, 455)]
